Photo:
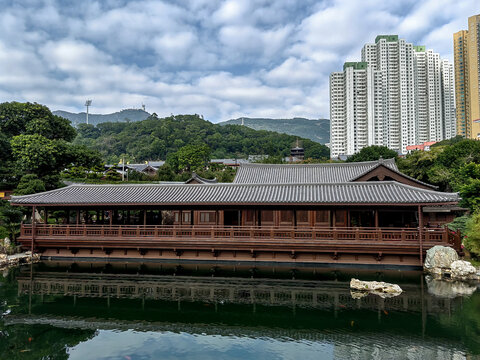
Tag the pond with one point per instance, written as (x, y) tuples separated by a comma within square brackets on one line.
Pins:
[(56, 310)]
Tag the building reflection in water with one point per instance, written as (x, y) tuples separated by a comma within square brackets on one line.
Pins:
[(295, 304)]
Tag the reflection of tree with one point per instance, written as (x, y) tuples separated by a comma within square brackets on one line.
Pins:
[(39, 341), (21, 341), (466, 322)]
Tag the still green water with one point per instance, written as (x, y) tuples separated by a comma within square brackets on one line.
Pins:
[(168, 311)]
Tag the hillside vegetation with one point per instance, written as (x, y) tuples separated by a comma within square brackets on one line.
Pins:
[(315, 130), (155, 138), (119, 116)]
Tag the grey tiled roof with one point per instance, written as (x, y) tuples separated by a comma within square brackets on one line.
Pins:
[(378, 192), (305, 173), (397, 172)]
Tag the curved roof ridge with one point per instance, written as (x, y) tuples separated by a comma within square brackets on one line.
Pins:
[(359, 163), (203, 180)]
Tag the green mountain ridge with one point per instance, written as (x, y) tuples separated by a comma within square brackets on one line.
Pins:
[(155, 138), (317, 130), (126, 115)]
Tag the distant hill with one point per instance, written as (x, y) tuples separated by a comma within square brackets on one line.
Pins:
[(94, 119), (315, 130), (155, 138)]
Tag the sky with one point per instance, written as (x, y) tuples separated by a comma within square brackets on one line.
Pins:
[(222, 59)]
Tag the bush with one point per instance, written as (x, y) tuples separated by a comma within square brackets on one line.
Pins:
[(459, 224), (472, 235)]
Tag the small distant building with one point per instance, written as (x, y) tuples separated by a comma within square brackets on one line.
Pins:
[(229, 162), (5, 194), (148, 168), (422, 147)]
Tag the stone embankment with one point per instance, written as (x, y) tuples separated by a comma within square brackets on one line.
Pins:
[(17, 259), (447, 276), (361, 289)]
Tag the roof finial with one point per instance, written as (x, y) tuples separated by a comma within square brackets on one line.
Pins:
[(380, 160)]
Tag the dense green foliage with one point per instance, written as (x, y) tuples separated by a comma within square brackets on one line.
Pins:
[(453, 165), (155, 138), (472, 234), (315, 130), (372, 153), (10, 218), (35, 142)]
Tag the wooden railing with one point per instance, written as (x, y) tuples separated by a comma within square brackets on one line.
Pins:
[(235, 233)]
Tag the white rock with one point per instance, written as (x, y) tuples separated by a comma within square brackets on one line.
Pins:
[(375, 287), (461, 269), (440, 257)]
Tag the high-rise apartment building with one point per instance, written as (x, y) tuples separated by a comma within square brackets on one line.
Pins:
[(351, 124), (466, 46), (399, 95)]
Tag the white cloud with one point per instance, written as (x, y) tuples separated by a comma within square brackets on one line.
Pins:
[(222, 58)]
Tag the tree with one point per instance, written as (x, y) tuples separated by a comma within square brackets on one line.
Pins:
[(35, 154), (27, 118), (372, 153), (165, 173), (29, 184), (10, 218), (468, 181), (192, 157), (34, 141), (472, 234)]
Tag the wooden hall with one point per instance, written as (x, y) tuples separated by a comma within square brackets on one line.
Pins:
[(346, 213)]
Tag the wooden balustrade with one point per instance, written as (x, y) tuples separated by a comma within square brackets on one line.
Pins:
[(230, 233)]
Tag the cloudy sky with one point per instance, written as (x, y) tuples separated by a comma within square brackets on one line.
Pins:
[(222, 59)]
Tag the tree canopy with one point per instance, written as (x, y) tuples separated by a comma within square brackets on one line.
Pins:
[(155, 138), (34, 141), (372, 153)]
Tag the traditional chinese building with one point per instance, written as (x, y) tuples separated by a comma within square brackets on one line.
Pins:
[(343, 213)]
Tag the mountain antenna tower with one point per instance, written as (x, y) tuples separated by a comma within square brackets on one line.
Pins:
[(243, 121), (87, 104)]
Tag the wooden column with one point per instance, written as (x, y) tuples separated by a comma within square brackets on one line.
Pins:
[(34, 209), (45, 218), (376, 218), (77, 217), (111, 217), (420, 232), (144, 217)]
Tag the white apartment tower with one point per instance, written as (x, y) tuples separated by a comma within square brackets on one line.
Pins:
[(351, 127), (408, 98)]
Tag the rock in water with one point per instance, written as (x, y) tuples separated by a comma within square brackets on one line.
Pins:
[(376, 287), (439, 257), (462, 270)]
